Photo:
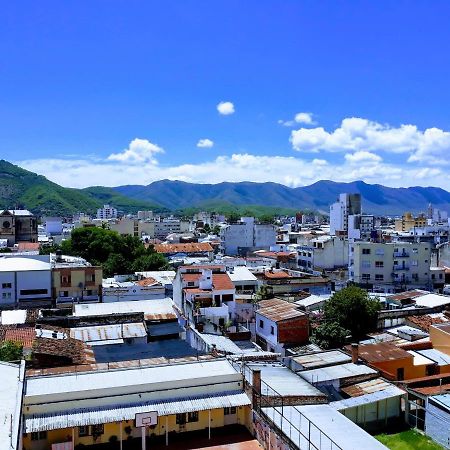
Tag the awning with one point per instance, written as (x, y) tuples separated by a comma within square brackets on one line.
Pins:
[(108, 414)]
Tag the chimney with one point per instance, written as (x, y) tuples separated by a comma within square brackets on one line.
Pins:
[(256, 383), (354, 353)]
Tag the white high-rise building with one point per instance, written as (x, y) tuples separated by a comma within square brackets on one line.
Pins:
[(341, 212), (107, 212)]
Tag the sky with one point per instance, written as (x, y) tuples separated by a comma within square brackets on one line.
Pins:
[(129, 92)]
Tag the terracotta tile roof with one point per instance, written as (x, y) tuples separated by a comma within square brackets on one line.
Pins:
[(276, 275), (407, 295), (24, 336), (191, 276), (424, 322), (278, 310), (190, 247), (28, 246), (198, 267), (197, 291), (222, 282), (149, 281)]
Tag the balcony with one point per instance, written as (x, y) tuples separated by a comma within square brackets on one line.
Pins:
[(400, 267), (402, 254)]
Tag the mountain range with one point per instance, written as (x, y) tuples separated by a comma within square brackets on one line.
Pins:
[(19, 187)]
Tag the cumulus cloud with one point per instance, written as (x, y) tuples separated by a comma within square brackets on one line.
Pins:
[(356, 134), (205, 143), (225, 108), (139, 151), (362, 156), (319, 162), (305, 118)]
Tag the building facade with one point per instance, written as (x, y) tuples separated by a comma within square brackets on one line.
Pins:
[(18, 225), (107, 212), (390, 267), (347, 205)]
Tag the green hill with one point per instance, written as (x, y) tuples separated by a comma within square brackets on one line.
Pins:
[(20, 188)]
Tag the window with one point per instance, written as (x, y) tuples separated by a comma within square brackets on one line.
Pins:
[(66, 279), (90, 277), (400, 374), (261, 323), (193, 416), (272, 330), (63, 293), (6, 285), (379, 264), (366, 276), (366, 251), (83, 431), (414, 262), (379, 277), (190, 283), (6, 295), (38, 435), (229, 410), (181, 419), (33, 291), (415, 250), (96, 430), (365, 264)]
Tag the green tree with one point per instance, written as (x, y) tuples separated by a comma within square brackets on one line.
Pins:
[(10, 351), (116, 264), (329, 335), (353, 310), (151, 261)]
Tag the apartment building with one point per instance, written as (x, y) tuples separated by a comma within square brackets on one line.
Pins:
[(247, 235), (408, 222), (133, 227), (324, 252), (75, 280), (170, 225), (390, 267), (107, 212)]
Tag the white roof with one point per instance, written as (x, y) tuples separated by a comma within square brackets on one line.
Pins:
[(83, 385), (148, 307), (313, 300), (11, 386), (320, 359), (16, 316), (432, 300), (335, 427), (241, 273), (106, 333), (22, 264), (162, 276), (336, 372), (108, 414)]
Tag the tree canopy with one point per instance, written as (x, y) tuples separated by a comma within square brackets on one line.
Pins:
[(117, 254), (349, 312)]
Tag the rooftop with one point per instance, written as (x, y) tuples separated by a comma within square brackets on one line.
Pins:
[(336, 372), (13, 317), (15, 264), (322, 359), (278, 310), (191, 247), (102, 334), (373, 353), (24, 336), (160, 309)]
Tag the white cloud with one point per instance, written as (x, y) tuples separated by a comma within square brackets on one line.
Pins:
[(139, 151), (304, 117), (362, 156), (205, 143), (356, 134), (225, 108), (290, 171)]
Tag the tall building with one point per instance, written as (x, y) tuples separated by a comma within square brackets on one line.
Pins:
[(247, 235), (408, 222), (346, 206), (107, 212)]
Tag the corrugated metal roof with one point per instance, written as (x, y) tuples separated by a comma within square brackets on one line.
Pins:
[(95, 416), (441, 358), (366, 387), (336, 372), (391, 392), (108, 332), (278, 310), (321, 359)]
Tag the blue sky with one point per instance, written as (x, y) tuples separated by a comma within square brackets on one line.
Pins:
[(115, 92)]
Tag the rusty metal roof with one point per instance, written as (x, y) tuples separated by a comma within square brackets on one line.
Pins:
[(278, 310), (191, 247)]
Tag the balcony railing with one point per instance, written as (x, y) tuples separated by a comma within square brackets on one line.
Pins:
[(400, 267), (401, 254)]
